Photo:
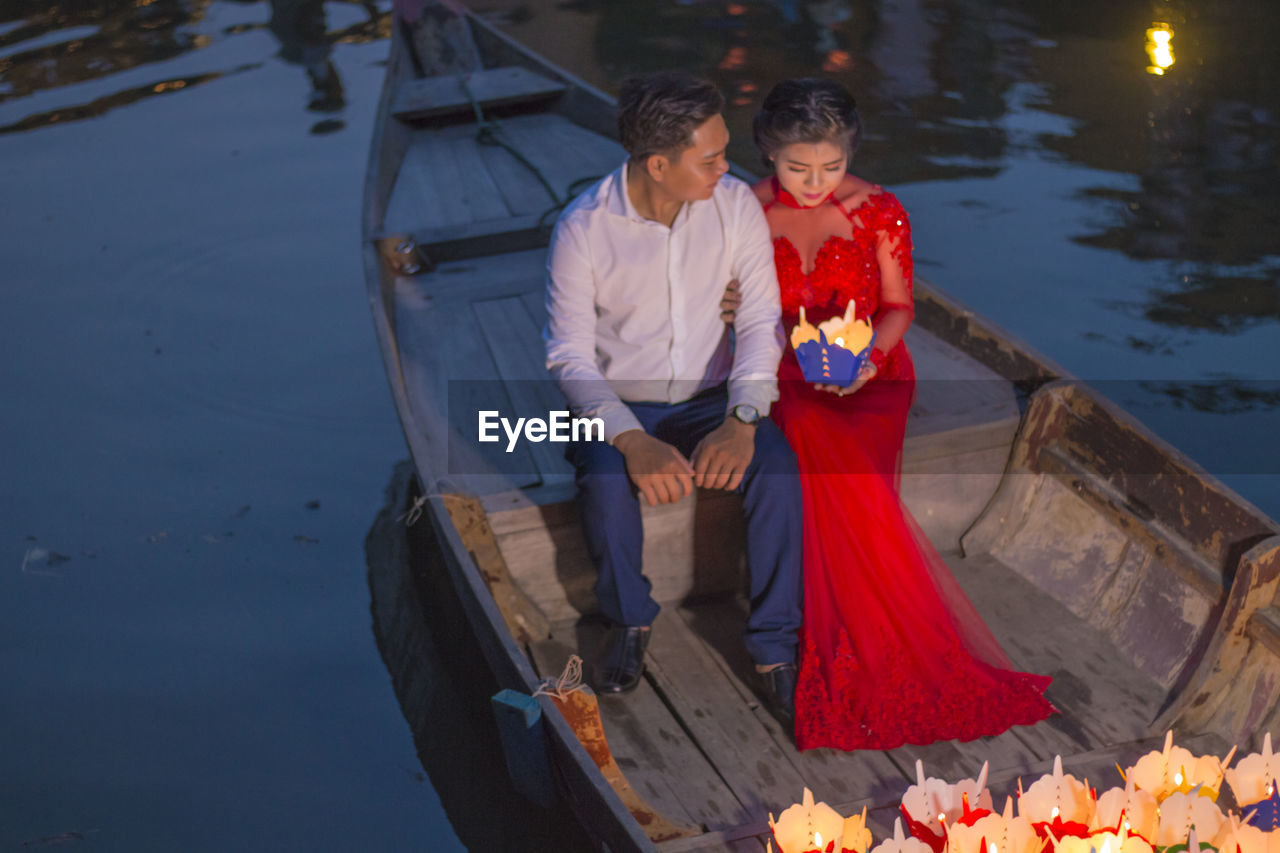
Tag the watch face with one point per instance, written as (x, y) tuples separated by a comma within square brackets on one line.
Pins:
[(746, 414)]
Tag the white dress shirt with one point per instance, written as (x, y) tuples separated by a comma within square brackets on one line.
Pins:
[(634, 306)]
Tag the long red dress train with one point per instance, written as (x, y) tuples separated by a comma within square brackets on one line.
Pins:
[(892, 650)]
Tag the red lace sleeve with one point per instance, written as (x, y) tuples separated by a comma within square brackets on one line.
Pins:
[(893, 254), (893, 248)]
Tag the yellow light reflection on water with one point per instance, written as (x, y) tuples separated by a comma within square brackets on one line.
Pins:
[(1159, 48)]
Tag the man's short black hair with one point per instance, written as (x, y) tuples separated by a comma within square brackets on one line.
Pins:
[(658, 113)]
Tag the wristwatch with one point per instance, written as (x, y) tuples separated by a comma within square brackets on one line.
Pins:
[(747, 414)]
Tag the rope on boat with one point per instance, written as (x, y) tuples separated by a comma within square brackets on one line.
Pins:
[(570, 681), (487, 130), (412, 514)]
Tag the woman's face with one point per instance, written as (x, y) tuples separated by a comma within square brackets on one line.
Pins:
[(810, 171)]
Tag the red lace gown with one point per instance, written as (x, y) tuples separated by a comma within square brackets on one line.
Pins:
[(892, 651)]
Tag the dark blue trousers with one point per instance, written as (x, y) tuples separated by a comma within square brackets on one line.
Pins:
[(771, 501)]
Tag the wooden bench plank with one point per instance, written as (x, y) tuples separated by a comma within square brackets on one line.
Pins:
[(647, 742), (832, 775), (542, 139), (482, 195), (1104, 698), (433, 97), (516, 347), (443, 355), (746, 753), (436, 189), (523, 193)]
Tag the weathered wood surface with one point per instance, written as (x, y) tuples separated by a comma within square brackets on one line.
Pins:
[(433, 97), (1119, 528), (649, 744), (453, 187), (1237, 689)]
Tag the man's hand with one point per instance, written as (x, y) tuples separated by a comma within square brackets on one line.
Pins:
[(730, 302), (720, 460), (660, 472)]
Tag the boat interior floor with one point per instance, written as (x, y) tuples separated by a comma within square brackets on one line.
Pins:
[(694, 740)]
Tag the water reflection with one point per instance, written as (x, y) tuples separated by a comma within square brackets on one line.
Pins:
[(443, 685), (50, 47)]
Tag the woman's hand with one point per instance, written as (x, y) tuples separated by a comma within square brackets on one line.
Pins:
[(730, 301), (865, 375)]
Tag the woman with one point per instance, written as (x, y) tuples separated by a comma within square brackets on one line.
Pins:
[(892, 651)]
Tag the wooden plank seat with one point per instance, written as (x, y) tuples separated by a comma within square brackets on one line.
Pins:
[(434, 97), (459, 198)]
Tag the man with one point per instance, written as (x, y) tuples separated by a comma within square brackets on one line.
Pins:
[(636, 271)]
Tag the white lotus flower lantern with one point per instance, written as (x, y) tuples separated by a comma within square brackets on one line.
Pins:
[(994, 833), (1057, 797), (1180, 812), (937, 804), (1129, 808), (807, 826), (1236, 836), (1102, 842), (901, 843), (1173, 768), (1253, 779)]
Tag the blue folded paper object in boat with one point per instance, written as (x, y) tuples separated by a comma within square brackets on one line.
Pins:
[(832, 352)]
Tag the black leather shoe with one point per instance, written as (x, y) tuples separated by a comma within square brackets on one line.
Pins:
[(778, 689), (622, 662)]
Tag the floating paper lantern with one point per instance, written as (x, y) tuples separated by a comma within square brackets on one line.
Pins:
[(1254, 777), (809, 826), (1176, 769), (1102, 842), (1235, 836), (1180, 812), (1193, 845), (930, 805), (1057, 798), (994, 833), (900, 843), (832, 352), (1265, 814), (1130, 808)]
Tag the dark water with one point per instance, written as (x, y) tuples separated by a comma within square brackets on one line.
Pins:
[(196, 424)]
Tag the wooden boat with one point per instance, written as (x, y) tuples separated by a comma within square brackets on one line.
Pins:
[(1097, 553)]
